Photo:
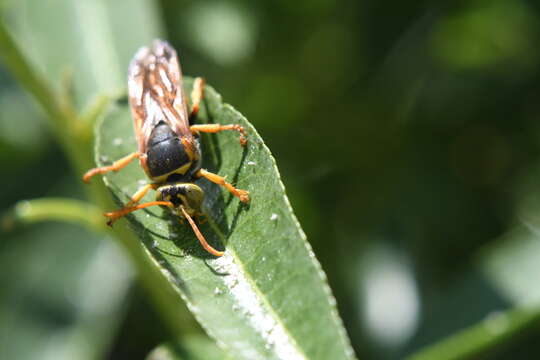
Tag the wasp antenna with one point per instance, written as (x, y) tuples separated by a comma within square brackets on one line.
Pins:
[(200, 236)]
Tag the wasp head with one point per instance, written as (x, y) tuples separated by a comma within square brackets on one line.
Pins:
[(187, 195)]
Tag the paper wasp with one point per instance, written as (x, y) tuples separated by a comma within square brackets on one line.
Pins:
[(169, 149)]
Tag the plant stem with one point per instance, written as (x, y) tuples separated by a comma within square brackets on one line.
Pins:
[(61, 209)]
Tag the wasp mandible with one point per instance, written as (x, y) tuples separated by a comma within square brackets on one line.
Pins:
[(169, 148)]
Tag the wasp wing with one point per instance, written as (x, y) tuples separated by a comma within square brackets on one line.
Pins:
[(156, 93)]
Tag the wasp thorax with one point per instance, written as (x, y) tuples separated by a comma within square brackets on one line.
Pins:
[(165, 153), (189, 195)]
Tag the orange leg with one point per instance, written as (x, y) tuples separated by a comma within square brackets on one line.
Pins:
[(215, 128), (115, 215), (243, 195), (140, 194), (117, 165), (200, 236), (196, 96), (132, 204)]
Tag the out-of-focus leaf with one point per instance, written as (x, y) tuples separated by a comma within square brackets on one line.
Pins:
[(87, 40), (73, 300), (267, 297), (508, 267), (55, 303), (488, 34), (14, 104), (485, 336), (190, 348)]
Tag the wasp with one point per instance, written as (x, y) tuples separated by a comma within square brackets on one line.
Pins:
[(169, 149)]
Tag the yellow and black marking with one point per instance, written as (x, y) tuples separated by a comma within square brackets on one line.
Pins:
[(187, 194), (167, 154), (169, 149)]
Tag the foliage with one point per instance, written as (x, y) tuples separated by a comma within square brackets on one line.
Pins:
[(265, 296), (406, 135)]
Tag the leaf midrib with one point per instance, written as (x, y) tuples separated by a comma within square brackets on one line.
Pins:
[(256, 290)]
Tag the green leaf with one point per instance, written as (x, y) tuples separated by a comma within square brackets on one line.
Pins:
[(267, 297), (87, 41), (190, 348)]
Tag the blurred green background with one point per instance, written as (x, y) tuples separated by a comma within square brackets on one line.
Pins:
[(408, 138)]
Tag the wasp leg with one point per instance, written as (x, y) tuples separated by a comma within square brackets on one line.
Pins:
[(140, 194), (115, 215), (196, 96), (117, 165), (243, 195), (215, 128), (200, 236)]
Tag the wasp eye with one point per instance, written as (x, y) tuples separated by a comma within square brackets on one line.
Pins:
[(193, 196), (189, 195)]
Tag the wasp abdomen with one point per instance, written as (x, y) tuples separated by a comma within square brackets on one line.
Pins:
[(166, 153)]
